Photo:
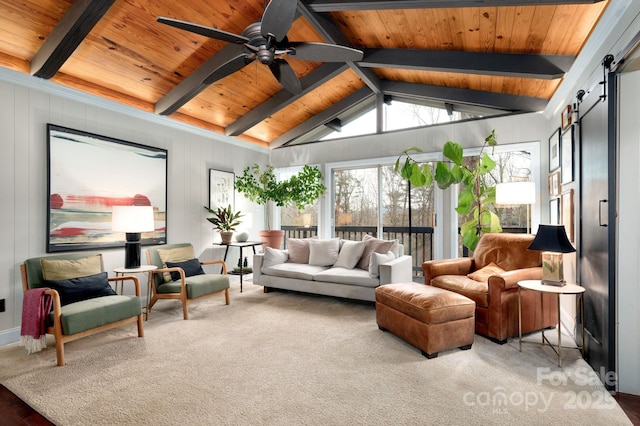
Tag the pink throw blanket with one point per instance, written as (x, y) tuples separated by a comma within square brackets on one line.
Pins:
[(35, 309)]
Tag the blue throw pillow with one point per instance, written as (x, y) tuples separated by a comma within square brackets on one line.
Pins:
[(76, 289), (190, 267)]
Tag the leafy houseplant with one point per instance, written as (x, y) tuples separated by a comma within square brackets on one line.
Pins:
[(225, 221), (261, 186), (476, 195)]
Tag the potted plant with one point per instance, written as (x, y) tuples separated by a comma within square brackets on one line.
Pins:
[(225, 221), (477, 194), (261, 186)]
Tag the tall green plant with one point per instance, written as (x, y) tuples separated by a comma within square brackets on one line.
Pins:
[(475, 196), (261, 186)]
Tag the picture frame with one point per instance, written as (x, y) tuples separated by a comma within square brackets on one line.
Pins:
[(554, 184), (554, 150), (554, 211), (566, 155), (221, 189), (567, 213), (566, 117), (88, 174)]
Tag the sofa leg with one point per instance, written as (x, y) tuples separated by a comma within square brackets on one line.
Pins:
[(430, 356), (465, 347), (381, 328), (265, 289)]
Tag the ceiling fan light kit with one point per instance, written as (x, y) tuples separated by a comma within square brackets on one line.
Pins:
[(266, 40)]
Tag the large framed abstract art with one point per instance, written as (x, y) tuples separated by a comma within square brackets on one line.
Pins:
[(88, 174)]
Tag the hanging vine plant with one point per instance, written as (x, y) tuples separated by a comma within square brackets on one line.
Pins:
[(475, 196)]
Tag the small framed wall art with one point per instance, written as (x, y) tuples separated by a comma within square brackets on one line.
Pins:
[(567, 213), (554, 211), (554, 150), (554, 184), (221, 190), (566, 155)]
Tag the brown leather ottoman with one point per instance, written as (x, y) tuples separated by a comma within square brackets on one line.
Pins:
[(430, 318)]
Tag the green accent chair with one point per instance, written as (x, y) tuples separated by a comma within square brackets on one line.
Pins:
[(187, 289), (86, 317)]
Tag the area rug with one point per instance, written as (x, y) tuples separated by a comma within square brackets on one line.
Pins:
[(288, 358)]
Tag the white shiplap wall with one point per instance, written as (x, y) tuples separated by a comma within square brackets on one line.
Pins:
[(28, 104)]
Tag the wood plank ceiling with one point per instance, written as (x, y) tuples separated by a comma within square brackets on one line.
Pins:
[(507, 55)]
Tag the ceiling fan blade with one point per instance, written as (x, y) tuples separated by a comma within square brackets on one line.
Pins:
[(286, 76), (202, 30), (230, 60), (323, 52), (278, 17)]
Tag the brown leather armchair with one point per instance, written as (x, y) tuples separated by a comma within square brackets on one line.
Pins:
[(496, 297)]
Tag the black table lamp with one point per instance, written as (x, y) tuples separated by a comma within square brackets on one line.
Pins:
[(553, 242), (132, 220)]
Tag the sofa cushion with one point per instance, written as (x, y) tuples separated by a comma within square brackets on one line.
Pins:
[(293, 270), (82, 288), (197, 285), (354, 276), (461, 284), (190, 267), (483, 274), (373, 245), (298, 249), (63, 269), (87, 314), (323, 252), (273, 257), (350, 253), (376, 260), (177, 254)]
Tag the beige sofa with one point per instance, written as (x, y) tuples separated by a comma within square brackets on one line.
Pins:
[(340, 268)]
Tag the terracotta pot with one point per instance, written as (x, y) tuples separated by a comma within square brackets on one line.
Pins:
[(226, 236), (272, 238)]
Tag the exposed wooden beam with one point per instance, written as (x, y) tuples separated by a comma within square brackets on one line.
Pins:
[(316, 78), (74, 26), (215, 68), (332, 34), (324, 117), (505, 64), (501, 101), (339, 5)]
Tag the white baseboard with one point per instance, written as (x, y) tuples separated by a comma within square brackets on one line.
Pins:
[(11, 335)]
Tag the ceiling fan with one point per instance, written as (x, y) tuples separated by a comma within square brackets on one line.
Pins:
[(266, 41)]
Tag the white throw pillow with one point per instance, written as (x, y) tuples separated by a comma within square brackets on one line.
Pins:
[(349, 254), (273, 257), (376, 260), (323, 252)]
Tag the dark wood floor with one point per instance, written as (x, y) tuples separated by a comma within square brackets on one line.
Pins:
[(17, 413)]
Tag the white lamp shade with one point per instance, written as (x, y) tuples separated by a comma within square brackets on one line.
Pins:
[(132, 219), (516, 193)]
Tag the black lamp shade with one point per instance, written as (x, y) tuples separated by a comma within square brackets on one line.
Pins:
[(552, 238)]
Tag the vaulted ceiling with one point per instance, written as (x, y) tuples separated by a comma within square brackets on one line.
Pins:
[(508, 55)]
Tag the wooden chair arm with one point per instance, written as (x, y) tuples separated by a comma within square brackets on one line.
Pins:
[(214, 262), (136, 282), (173, 269)]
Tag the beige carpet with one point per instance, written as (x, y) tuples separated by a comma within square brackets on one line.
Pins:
[(285, 358)]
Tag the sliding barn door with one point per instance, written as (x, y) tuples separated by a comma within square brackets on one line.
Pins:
[(596, 255)]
